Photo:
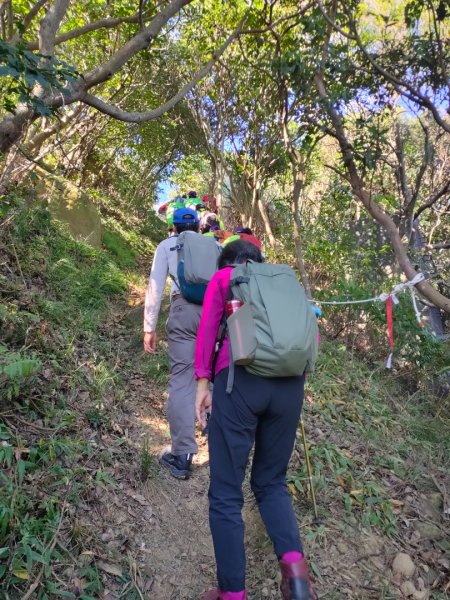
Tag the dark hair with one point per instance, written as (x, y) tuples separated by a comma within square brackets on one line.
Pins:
[(246, 230), (210, 221), (239, 252), (191, 226)]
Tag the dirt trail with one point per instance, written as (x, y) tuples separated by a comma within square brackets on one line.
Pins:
[(160, 525)]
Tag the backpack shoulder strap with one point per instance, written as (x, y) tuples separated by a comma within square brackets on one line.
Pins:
[(176, 245), (222, 335)]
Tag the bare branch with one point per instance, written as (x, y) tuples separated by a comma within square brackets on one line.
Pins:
[(434, 198), (333, 23), (338, 172), (32, 13), (425, 162), (37, 140), (10, 14), (140, 14), (106, 23), (438, 246)]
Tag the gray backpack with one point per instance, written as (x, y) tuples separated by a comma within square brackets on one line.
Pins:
[(197, 263), (275, 332)]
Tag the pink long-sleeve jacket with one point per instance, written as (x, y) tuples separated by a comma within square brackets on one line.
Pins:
[(213, 309)]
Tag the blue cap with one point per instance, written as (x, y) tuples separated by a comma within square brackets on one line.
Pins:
[(184, 215)]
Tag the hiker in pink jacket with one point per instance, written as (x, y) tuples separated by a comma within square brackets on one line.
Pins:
[(262, 412)]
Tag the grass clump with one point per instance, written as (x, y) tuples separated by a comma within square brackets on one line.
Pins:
[(124, 254)]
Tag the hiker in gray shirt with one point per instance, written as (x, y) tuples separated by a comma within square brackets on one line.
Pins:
[(181, 330)]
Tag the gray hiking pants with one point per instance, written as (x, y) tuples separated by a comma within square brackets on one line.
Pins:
[(181, 328)]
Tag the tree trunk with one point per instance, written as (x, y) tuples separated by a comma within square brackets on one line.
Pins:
[(266, 221), (12, 126), (424, 287), (428, 268), (298, 169), (298, 238)]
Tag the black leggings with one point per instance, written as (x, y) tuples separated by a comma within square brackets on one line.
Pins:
[(264, 412)]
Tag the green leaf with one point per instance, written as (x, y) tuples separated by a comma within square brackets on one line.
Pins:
[(20, 368), (41, 108), (373, 500), (64, 594), (8, 71), (4, 552), (315, 569), (21, 468)]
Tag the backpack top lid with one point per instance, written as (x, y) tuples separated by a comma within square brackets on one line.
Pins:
[(285, 325), (199, 255), (197, 262)]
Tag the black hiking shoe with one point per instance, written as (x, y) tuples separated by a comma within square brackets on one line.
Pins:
[(179, 466)]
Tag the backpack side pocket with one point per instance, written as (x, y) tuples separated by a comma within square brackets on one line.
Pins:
[(241, 331)]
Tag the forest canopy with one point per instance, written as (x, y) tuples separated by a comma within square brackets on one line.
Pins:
[(298, 117)]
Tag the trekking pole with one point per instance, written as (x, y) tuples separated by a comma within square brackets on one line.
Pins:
[(310, 475)]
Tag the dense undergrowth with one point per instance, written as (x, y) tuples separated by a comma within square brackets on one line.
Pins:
[(60, 381), (57, 376), (379, 429)]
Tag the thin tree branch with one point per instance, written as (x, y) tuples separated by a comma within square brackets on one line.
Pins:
[(28, 18), (434, 198), (270, 26), (401, 86), (425, 162), (32, 13), (338, 172), (438, 246), (106, 23), (10, 14), (143, 117), (333, 23)]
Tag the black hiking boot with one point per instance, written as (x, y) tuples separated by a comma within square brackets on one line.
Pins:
[(179, 466)]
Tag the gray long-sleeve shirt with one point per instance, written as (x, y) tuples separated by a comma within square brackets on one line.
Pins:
[(164, 264)]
